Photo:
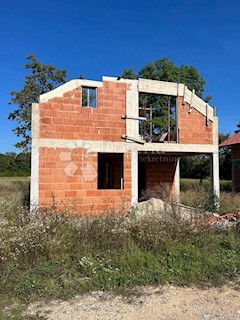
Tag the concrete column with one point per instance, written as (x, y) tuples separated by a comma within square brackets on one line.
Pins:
[(34, 159), (214, 167), (134, 171), (177, 180), (132, 105), (34, 178)]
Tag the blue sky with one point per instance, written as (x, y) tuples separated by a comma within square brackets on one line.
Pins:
[(96, 38)]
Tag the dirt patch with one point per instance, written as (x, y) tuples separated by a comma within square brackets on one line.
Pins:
[(160, 303)]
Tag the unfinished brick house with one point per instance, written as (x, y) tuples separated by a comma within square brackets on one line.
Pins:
[(101, 144)]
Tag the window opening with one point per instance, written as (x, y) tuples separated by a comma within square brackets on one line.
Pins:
[(160, 111), (89, 97), (110, 171)]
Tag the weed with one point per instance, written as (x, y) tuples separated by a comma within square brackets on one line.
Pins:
[(15, 310)]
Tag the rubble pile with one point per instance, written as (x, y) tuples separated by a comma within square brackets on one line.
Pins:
[(225, 221), (163, 209)]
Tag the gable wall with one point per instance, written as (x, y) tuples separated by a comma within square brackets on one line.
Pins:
[(65, 118)]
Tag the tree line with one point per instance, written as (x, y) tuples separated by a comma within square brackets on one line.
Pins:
[(15, 165)]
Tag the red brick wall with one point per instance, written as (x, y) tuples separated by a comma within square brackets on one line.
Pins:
[(160, 172), (192, 127), (65, 118), (68, 178)]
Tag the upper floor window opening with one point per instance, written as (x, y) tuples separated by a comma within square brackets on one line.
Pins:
[(89, 97), (160, 112)]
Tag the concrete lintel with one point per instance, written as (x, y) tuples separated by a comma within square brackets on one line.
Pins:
[(88, 145), (115, 147), (198, 104), (121, 80), (178, 148), (160, 87), (174, 89), (69, 86)]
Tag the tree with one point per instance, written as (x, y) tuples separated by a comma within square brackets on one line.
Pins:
[(198, 166), (238, 127), (12, 164), (7, 164), (195, 167), (224, 159), (164, 70), (42, 78), (23, 164)]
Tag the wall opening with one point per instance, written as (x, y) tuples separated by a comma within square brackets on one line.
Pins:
[(110, 171), (156, 172), (89, 97), (161, 117)]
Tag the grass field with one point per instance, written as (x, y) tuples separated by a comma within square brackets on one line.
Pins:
[(10, 185), (188, 184), (16, 184), (56, 257), (199, 195)]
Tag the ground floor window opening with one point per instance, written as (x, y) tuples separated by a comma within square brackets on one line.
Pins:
[(110, 171)]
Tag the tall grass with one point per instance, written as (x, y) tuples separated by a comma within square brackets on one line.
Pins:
[(15, 187), (188, 184), (54, 256), (201, 196)]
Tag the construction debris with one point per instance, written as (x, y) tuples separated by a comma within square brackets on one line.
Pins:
[(225, 221), (163, 209)]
